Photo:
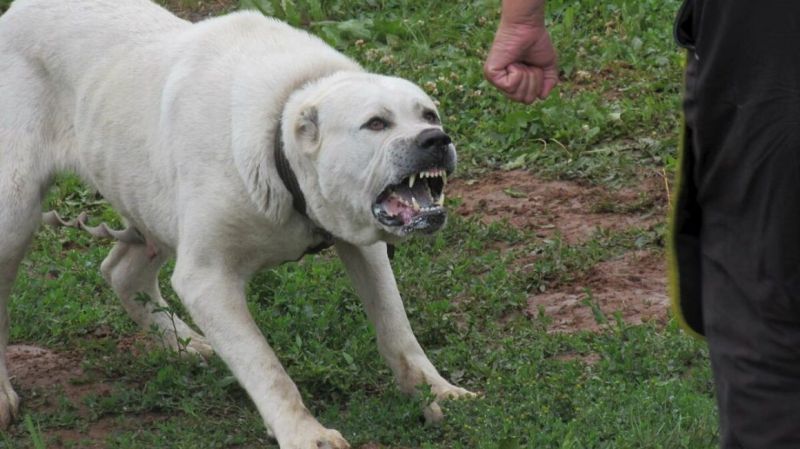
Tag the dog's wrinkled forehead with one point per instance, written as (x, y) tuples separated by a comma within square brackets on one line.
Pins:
[(366, 95)]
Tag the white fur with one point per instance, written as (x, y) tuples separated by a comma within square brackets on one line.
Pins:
[(174, 124)]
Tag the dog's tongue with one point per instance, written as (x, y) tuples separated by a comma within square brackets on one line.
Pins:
[(406, 202), (397, 207)]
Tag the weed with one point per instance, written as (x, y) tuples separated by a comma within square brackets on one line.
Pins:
[(35, 434)]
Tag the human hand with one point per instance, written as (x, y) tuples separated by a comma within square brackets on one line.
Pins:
[(522, 60)]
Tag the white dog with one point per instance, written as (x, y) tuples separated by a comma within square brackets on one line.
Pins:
[(234, 144)]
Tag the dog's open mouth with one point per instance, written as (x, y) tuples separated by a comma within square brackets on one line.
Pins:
[(416, 203)]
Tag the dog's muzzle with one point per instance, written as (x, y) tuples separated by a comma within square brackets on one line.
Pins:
[(415, 203)]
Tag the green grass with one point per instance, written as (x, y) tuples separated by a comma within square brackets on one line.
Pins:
[(613, 118)]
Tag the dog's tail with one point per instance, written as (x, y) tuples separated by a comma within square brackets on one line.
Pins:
[(127, 235)]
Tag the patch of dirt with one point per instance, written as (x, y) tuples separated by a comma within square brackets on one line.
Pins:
[(195, 11), (633, 286), (95, 435), (41, 376), (567, 208), (32, 367)]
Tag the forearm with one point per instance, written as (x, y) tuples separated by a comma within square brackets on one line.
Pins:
[(529, 12)]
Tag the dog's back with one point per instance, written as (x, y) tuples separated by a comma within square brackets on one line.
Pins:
[(46, 49), (61, 34)]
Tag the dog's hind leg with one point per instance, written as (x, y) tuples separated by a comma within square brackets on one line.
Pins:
[(132, 271), (20, 214), (25, 173), (18, 222)]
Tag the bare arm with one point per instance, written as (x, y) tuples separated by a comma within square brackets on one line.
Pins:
[(522, 60)]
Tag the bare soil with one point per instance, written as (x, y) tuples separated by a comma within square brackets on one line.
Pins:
[(631, 287), (572, 210), (42, 377)]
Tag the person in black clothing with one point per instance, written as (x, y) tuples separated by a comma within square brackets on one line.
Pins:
[(735, 225)]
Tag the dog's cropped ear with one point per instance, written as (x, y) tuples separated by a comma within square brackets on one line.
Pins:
[(306, 128)]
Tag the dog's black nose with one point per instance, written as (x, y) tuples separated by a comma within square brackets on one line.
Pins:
[(432, 139)]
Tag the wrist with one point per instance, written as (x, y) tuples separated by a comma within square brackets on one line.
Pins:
[(528, 13)]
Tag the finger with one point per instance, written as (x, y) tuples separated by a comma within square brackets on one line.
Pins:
[(535, 90), (529, 88), (526, 87), (550, 81), (513, 93)]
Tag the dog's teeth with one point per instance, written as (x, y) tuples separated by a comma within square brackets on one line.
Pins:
[(411, 180), (444, 177), (414, 203), (440, 200)]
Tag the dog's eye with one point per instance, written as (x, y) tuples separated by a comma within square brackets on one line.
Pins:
[(430, 117), (376, 124)]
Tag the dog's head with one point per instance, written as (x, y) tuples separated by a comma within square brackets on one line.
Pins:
[(372, 155)]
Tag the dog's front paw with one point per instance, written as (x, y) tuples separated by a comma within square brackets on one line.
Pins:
[(449, 391), (9, 404), (433, 412), (318, 438)]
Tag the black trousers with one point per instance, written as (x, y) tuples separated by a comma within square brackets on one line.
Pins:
[(735, 238)]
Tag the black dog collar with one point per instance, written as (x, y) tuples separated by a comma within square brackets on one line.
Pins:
[(298, 199)]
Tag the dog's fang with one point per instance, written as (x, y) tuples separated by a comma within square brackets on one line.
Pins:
[(411, 180), (444, 177), (414, 203), (440, 199)]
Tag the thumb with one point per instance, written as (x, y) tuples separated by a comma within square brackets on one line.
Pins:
[(502, 76)]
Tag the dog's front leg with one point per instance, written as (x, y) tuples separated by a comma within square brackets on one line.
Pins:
[(215, 298), (371, 273)]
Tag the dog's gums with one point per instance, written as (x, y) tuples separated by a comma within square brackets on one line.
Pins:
[(415, 203)]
